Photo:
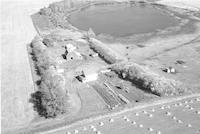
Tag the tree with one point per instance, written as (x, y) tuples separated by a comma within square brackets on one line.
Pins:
[(51, 99)]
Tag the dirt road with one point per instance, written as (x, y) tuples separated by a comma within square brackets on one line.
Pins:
[(17, 31)]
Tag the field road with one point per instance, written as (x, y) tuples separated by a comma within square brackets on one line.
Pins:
[(16, 81)]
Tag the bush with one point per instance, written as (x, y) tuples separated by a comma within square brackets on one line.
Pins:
[(45, 60), (44, 57), (37, 45), (45, 11), (49, 42)]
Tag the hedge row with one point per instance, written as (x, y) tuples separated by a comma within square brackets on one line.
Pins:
[(51, 99), (103, 51), (148, 80)]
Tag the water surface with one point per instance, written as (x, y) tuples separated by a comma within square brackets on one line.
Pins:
[(122, 19)]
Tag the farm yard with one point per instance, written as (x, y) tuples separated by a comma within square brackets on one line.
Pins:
[(73, 72), (117, 92)]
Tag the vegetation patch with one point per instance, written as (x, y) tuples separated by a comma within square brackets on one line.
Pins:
[(51, 98), (149, 81), (104, 51)]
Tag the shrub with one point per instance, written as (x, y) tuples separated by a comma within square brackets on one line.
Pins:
[(45, 61), (37, 45), (45, 11), (49, 42)]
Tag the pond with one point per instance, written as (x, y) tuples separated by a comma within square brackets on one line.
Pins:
[(122, 19)]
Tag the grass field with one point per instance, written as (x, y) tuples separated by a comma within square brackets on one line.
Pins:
[(16, 85)]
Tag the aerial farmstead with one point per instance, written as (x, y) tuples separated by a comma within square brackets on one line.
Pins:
[(116, 66)]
